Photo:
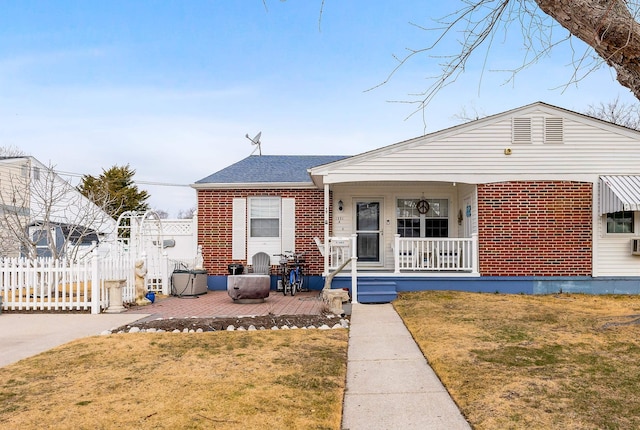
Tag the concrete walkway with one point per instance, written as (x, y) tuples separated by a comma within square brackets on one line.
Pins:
[(389, 383), (24, 335)]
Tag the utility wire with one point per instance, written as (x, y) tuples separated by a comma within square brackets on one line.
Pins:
[(19, 168)]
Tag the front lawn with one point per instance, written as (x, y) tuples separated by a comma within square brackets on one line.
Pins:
[(285, 379), (533, 362)]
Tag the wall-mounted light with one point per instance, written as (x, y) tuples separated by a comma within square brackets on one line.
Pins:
[(460, 218), (340, 205)]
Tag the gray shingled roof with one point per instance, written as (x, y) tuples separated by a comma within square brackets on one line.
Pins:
[(269, 169)]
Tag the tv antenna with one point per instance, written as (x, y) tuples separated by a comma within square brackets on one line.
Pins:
[(255, 141)]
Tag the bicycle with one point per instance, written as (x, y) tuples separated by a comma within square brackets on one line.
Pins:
[(296, 273), (291, 272), (284, 272)]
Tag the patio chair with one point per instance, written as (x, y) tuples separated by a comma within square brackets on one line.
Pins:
[(261, 263)]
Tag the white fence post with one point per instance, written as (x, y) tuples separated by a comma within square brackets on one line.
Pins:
[(95, 283), (164, 271)]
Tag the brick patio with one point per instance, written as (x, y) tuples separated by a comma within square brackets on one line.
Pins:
[(219, 304)]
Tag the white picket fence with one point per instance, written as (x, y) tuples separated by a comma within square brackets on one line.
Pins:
[(45, 284)]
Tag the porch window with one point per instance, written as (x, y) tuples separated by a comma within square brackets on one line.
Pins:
[(620, 222), (433, 223), (264, 218)]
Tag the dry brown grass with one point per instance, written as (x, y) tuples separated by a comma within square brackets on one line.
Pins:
[(233, 380), (534, 362)]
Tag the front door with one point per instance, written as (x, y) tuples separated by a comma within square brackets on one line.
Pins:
[(368, 231)]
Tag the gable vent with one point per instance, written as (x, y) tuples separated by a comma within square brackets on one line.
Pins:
[(521, 130), (553, 130)]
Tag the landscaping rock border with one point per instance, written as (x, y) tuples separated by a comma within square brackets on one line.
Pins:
[(241, 323)]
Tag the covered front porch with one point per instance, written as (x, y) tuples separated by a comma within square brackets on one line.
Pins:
[(389, 215), (386, 235), (416, 262)]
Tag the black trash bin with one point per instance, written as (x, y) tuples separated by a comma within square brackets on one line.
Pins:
[(235, 269)]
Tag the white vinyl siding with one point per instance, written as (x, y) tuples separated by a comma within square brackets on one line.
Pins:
[(475, 154), (239, 229), (613, 253)]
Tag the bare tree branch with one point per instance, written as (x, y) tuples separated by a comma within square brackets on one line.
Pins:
[(616, 112), (41, 212), (608, 27)]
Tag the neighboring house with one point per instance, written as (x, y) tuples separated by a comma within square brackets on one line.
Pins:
[(14, 202), (45, 215), (537, 199)]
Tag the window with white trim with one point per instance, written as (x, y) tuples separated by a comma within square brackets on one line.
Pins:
[(264, 217), (433, 223), (620, 222), (263, 224)]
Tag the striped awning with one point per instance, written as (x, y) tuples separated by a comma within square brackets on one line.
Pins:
[(619, 193)]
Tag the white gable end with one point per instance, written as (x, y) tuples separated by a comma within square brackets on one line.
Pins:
[(549, 144)]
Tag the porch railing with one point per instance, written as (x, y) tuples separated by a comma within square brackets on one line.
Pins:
[(435, 254), (340, 250), (416, 254)]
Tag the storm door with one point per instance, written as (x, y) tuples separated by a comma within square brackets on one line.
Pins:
[(368, 231)]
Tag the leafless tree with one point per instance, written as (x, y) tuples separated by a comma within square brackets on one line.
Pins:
[(41, 213), (187, 214), (162, 214), (11, 151), (469, 114), (627, 115), (608, 27)]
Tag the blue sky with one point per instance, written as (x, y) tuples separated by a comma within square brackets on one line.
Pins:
[(172, 87)]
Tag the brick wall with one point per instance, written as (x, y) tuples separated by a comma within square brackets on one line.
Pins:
[(215, 221), (535, 228)]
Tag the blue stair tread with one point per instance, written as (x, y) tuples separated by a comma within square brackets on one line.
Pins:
[(376, 291)]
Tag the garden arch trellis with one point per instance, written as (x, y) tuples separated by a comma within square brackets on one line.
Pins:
[(141, 238)]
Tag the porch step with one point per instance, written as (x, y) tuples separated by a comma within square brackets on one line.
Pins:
[(376, 291)]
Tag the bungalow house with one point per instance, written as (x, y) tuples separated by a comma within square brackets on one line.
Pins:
[(41, 214), (538, 199)]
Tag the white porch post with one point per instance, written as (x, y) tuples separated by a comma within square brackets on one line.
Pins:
[(354, 269), (396, 249), (326, 230), (475, 262)]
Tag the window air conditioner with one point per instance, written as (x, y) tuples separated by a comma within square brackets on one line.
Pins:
[(635, 246)]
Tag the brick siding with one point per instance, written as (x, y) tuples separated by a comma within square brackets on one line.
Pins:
[(535, 228), (215, 225)]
